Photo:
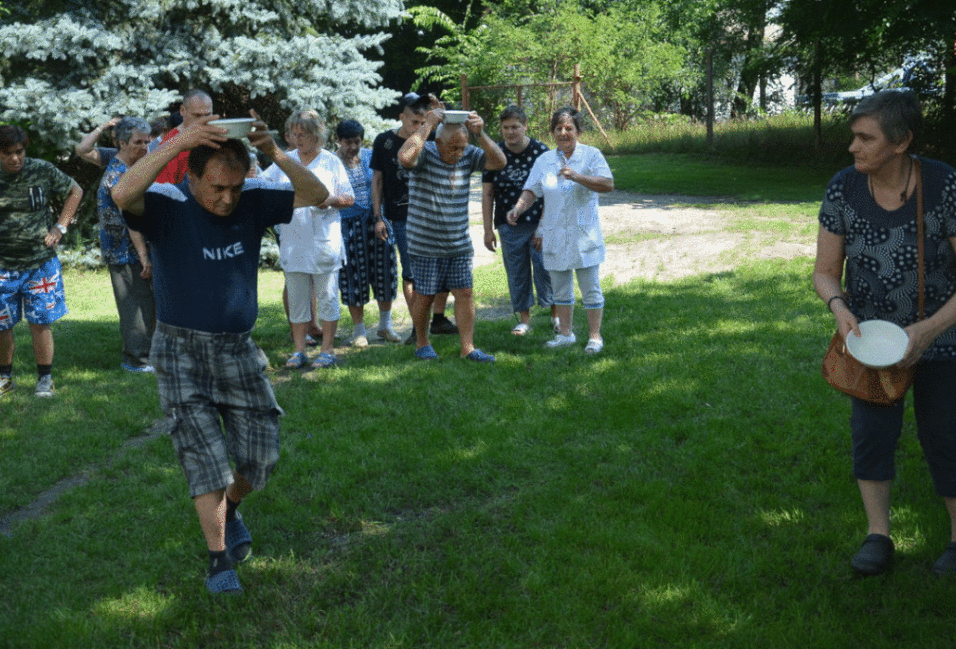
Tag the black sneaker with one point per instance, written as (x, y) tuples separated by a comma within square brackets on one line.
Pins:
[(443, 326), (945, 566), (411, 338), (874, 556)]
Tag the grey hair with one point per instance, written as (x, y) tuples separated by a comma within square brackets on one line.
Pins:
[(310, 122), (449, 129), (125, 128), (897, 112)]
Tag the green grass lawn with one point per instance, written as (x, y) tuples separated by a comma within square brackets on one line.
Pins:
[(690, 175), (689, 487)]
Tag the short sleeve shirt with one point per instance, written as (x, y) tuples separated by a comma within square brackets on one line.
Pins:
[(881, 249), (26, 213), (438, 203), (205, 267), (570, 228), (114, 235), (509, 182), (394, 176), (360, 177)]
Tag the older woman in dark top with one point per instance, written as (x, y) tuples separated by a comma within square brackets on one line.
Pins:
[(868, 226)]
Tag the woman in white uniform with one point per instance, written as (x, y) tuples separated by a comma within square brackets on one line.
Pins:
[(569, 233)]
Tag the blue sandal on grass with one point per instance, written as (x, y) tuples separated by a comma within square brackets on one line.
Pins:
[(225, 582), (238, 540), (480, 357), (426, 353), (324, 360)]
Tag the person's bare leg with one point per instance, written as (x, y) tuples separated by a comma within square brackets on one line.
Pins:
[(595, 316), (465, 319), (440, 303), (42, 343), (951, 508), (565, 314), (6, 347), (876, 504), (420, 316), (211, 508), (239, 489), (328, 336), (299, 330)]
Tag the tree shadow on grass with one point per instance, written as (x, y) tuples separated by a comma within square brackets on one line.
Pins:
[(648, 495)]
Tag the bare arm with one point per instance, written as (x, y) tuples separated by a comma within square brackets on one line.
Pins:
[(412, 149), (525, 201), (828, 279), (377, 181), (487, 214), (139, 244), (923, 333), (129, 190), (598, 184), (86, 149), (70, 205)]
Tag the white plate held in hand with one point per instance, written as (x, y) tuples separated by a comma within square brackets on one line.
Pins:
[(882, 344), (235, 128)]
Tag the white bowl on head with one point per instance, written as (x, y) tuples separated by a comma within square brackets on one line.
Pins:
[(456, 116), (236, 127), (881, 344)]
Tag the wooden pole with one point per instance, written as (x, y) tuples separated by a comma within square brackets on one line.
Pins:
[(576, 95), (465, 99), (710, 99)]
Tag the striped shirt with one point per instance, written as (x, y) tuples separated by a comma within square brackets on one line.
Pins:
[(438, 203)]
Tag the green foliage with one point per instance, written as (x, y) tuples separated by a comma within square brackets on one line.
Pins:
[(622, 49)]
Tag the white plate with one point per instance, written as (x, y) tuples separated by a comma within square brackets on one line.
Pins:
[(456, 116), (236, 128), (882, 344)]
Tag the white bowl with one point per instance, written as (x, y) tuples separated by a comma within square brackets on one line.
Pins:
[(881, 344), (456, 116), (235, 128)]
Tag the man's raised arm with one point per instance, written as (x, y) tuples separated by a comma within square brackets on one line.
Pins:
[(129, 191), (309, 190)]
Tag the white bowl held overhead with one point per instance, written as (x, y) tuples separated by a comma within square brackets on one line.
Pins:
[(881, 344), (236, 127), (456, 116)]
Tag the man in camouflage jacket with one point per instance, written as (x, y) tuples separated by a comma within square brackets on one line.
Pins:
[(31, 281)]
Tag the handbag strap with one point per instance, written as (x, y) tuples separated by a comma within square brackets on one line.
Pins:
[(920, 236)]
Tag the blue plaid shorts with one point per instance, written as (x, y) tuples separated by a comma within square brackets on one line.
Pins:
[(219, 404), (434, 275)]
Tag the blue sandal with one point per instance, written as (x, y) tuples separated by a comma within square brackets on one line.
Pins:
[(225, 582), (238, 540), (480, 357), (324, 360), (426, 353)]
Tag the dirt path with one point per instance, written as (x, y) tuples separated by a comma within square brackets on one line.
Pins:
[(662, 238)]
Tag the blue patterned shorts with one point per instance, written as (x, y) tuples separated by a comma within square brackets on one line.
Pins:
[(434, 275), (38, 292)]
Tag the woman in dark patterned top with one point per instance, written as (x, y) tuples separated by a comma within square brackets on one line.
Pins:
[(868, 225), (500, 191)]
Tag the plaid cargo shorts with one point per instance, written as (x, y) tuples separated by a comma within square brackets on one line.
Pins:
[(219, 405)]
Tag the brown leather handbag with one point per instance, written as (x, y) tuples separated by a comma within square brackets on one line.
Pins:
[(887, 386)]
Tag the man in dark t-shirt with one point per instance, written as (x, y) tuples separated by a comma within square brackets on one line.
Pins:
[(204, 236), (390, 200)]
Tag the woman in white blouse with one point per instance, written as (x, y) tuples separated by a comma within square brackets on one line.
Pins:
[(569, 234)]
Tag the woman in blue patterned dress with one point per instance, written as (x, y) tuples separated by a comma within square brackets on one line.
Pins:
[(868, 227), (369, 261)]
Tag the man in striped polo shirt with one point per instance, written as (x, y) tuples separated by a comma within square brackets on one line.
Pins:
[(439, 243)]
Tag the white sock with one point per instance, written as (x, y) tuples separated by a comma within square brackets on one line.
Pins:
[(384, 319), (359, 330)]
